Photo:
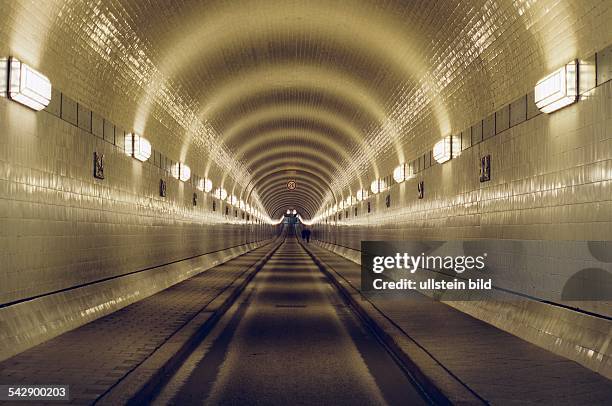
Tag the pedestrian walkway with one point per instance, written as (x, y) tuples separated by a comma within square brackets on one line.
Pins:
[(499, 367), (289, 339), (93, 358)]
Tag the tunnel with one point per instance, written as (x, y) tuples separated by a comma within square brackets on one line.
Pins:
[(266, 202)]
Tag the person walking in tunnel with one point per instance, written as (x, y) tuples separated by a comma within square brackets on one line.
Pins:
[(306, 235)]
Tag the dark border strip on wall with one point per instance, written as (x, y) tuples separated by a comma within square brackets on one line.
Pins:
[(509, 115), (75, 113), (27, 299), (509, 291)]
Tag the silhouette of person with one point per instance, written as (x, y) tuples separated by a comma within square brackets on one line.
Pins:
[(303, 234), (307, 235)]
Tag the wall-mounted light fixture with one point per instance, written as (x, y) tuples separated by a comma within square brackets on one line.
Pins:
[(443, 150), (362, 194), (205, 185), (137, 146), (557, 90), (399, 173), (220, 193), (232, 200), (181, 171), (378, 185), (24, 84)]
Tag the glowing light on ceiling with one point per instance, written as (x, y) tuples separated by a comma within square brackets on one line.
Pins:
[(137, 146), (557, 90), (26, 85)]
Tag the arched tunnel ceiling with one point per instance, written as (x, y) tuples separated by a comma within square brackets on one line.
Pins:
[(254, 93)]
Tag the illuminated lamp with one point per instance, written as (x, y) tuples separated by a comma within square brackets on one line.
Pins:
[(232, 200), (181, 171), (137, 146), (399, 173), (557, 90), (26, 85), (205, 185), (378, 186), (362, 194), (442, 151), (294, 211), (221, 193)]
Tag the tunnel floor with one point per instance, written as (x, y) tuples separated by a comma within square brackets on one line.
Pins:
[(289, 339)]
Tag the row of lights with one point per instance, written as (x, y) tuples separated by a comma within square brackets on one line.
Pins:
[(553, 92), (140, 148), (31, 88)]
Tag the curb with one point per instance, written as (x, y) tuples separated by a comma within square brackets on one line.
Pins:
[(144, 381), (435, 381)]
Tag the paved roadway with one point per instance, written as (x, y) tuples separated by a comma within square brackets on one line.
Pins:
[(289, 339)]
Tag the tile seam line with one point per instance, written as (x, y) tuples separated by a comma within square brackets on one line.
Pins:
[(456, 377), (265, 258), (8, 304), (533, 298)]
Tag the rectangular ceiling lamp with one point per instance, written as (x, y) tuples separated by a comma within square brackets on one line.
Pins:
[(442, 151), (557, 90), (27, 86), (138, 147)]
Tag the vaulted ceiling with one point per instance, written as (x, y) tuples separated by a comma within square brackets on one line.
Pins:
[(329, 93)]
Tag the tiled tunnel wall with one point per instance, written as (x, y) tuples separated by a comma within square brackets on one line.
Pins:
[(76, 247), (551, 180)]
